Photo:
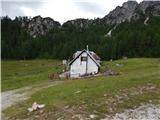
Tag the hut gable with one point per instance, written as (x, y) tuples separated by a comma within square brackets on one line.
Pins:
[(84, 63)]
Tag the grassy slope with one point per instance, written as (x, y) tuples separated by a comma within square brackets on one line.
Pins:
[(136, 75), (16, 74)]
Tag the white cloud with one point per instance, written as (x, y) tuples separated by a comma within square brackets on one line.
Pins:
[(60, 10), (28, 11)]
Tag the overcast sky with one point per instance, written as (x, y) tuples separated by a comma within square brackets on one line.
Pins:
[(59, 10)]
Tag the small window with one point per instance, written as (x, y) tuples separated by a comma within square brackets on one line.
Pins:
[(83, 58)]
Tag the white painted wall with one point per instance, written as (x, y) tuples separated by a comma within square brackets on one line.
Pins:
[(92, 67), (78, 67)]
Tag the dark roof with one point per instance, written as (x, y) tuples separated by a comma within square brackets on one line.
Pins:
[(88, 55)]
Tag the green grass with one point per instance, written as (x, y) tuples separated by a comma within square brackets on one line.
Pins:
[(134, 74), (16, 74)]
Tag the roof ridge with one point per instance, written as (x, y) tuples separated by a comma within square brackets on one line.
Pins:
[(84, 50)]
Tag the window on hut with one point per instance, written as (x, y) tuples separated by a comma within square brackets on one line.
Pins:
[(83, 58)]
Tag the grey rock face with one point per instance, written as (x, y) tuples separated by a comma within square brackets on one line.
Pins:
[(79, 24), (131, 10), (82, 24), (152, 5), (150, 8), (40, 26), (130, 5), (120, 14)]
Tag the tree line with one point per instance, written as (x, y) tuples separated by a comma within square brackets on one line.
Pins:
[(131, 39)]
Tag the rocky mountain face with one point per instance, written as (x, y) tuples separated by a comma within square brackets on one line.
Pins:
[(150, 7), (40, 26), (132, 10), (81, 24), (128, 11), (120, 14), (77, 24)]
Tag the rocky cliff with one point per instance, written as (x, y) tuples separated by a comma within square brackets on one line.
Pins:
[(78, 24), (40, 26), (132, 10), (121, 14)]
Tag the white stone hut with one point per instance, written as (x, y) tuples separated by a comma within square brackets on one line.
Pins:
[(84, 63)]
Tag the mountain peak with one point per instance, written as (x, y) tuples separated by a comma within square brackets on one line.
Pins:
[(122, 13), (131, 9), (130, 5), (152, 6), (40, 26)]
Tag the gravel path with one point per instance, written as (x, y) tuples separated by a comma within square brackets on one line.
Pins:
[(12, 97), (145, 112)]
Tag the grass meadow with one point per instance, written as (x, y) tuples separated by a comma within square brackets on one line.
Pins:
[(138, 83)]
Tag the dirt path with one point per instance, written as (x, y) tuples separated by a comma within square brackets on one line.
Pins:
[(13, 97)]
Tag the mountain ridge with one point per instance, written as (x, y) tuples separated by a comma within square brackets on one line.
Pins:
[(130, 10)]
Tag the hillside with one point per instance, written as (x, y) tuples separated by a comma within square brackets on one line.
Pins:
[(138, 84), (131, 30)]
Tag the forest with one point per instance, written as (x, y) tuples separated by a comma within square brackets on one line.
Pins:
[(132, 39)]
